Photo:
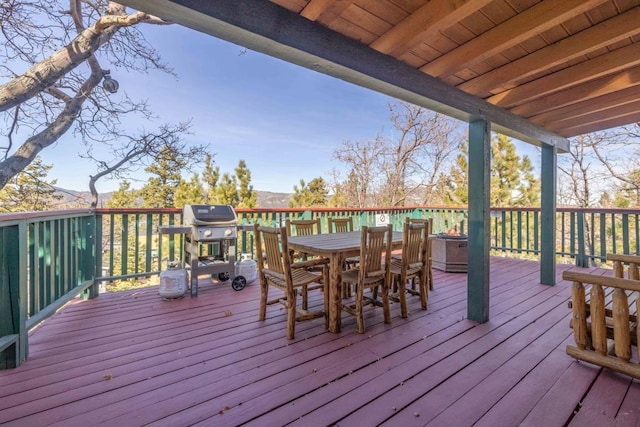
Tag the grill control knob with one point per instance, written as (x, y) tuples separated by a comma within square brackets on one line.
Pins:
[(228, 232), (207, 233)]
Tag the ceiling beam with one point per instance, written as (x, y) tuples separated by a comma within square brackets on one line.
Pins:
[(325, 11), (539, 18), (596, 117), (593, 89), (601, 103), (592, 69), (593, 38), (633, 117), (424, 24), (266, 27)]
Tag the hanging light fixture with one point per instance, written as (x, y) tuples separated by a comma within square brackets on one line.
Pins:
[(109, 84)]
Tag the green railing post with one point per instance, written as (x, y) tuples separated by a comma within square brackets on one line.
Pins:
[(625, 233), (581, 259)]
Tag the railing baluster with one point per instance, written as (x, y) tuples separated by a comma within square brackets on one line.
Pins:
[(625, 233), (614, 247), (603, 235)]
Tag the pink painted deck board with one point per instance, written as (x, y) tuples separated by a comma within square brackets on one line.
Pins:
[(130, 358)]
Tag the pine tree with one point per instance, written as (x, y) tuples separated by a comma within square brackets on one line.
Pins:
[(123, 197), (226, 192), (247, 196), (210, 177), (504, 171), (159, 191), (310, 195), (512, 180), (189, 192), (457, 184), (29, 190)]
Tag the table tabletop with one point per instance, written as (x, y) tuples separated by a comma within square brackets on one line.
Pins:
[(326, 244)]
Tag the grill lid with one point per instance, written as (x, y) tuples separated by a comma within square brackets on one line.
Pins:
[(209, 215)]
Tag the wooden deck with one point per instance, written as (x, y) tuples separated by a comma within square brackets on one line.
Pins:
[(130, 358)]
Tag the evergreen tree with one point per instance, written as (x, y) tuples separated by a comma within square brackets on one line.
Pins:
[(210, 177), (189, 192), (226, 192), (247, 196), (229, 189), (528, 190), (504, 171), (512, 180), (123, 197), (457, 185), (159, 191), (309, 195), (299, 197), (29, 190)]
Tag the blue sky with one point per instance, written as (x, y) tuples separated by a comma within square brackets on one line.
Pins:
[(283, 120)]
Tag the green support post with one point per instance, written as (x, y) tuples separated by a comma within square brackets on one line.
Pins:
[(479, 216), (548, 216)]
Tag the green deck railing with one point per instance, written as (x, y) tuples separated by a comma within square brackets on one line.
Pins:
[(49, 258)]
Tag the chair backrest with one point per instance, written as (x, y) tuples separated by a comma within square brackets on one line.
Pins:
[(375, 243), (272, 248), (303, 227), (414, 244), (428, 222), (340, 225)]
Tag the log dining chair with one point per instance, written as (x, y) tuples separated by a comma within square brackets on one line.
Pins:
[(340, 225), (428, 222), (344, 225), (276, 269), (411, 265), (303, 227), (375, 243)]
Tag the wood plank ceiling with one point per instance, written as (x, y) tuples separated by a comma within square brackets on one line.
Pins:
[(570, 66)]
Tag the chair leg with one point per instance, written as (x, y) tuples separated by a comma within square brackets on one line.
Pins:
[(359, 313), (264, 294), (291, 312), (305, 298), (386, 308), (424, 292), (402, 293)]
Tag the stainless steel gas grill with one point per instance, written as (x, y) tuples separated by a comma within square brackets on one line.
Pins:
[(210, 246)]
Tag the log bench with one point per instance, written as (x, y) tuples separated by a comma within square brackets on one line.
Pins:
[(604, 319)]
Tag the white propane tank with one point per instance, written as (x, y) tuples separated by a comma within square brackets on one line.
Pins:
[(173, 281), (247, 267)]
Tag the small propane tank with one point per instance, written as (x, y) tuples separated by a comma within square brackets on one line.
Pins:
[(247, 267), (173, 281)]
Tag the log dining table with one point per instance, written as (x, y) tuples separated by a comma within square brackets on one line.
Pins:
[(337, 247)]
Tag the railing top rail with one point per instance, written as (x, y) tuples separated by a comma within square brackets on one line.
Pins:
[(287, 210), (137, 210), (20, 216)]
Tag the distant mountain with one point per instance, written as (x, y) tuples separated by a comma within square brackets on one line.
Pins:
[(82, 199), (267, 199), (79, 199)]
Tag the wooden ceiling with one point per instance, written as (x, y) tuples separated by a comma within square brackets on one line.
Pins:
[(570, 66)]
